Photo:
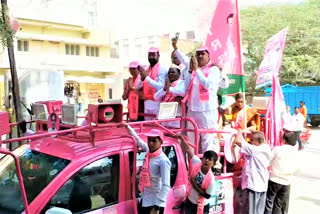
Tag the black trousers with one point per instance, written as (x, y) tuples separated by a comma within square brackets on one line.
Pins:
[(146, 210), (191, 208), (277, 198), (298, 133)]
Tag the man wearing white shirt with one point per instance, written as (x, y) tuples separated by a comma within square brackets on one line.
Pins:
[(203, 82), (284, 163), (287, 119), (152, 80), (298, 123), (173, 91), (180, 59), (155, 190)]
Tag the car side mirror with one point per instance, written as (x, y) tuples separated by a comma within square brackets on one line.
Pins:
[(58, 210)]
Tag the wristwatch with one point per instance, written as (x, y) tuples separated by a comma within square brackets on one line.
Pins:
[(156, 207)]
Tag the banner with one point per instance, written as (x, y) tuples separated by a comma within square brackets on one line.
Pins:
[(276, 108), (222, 36), (271, 62)]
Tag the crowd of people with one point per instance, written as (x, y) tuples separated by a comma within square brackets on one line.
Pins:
[(266, 174)]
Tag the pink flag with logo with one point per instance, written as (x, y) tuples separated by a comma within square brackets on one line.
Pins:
[(272, 59), (268, 73), (218, 28)]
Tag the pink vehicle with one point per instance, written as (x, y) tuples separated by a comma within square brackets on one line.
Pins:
[(93, 169)]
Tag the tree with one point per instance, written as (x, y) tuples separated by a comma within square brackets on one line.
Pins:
[(6, 40), (300, 64)]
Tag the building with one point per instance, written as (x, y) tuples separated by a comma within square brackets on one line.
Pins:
[(62, 54)]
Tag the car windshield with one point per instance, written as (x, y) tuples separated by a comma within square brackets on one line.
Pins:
[(38, 170)]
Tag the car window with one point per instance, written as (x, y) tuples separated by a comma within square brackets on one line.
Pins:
[(94, 186), (38, 170), (171, 154)]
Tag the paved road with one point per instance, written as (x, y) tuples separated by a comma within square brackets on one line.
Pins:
[(305, 189)]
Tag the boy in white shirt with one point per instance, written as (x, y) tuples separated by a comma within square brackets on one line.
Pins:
[(284, 163)]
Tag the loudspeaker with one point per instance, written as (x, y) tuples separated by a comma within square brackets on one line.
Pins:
[(105, 113)]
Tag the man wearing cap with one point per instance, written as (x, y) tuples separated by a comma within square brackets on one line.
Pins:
[(152, 80), (134, 96), (154, 179), (202, 83)]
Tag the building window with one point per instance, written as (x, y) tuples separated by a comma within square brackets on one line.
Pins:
[(23, 45), (72, 49), (110, 93), (114, 53), (77, 50), (190, 35), (92, 51)]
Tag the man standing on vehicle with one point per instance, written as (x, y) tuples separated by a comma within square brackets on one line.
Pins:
[(152, 80), (202, 180), (202, 83), (173, 91), (180, 59), (154, 179), (131, 94)]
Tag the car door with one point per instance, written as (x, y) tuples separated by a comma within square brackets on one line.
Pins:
[(95, 188), (178, 176)]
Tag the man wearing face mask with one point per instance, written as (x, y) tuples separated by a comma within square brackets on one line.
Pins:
[(152, 80), (203, 82)]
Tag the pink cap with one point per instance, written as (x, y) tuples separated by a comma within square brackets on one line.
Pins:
[(153, 50), (155, 133), (203, 48), (134, 64)]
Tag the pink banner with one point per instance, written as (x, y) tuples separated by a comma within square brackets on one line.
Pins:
[(271, 62), (276, 108), (222, 34)]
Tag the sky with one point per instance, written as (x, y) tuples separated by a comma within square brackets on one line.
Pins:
[(132, 18)]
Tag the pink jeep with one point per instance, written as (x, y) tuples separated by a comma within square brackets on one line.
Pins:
[(93, 169)]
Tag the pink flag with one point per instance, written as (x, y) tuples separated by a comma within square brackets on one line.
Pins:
[(268, 74), (276, 108), (222, 36), (272, 59)]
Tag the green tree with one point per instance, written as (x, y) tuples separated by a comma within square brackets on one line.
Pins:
[(301, 59)]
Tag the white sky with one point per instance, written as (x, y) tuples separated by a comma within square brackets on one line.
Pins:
[(131, 18), (140, 17)]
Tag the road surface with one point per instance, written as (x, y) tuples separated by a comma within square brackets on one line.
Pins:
[(305, 189)]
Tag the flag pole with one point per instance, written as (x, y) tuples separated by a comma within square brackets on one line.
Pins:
[(241, 62)]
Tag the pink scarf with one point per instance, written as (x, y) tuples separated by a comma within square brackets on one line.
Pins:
[(205, 185), (148, 91), (169, 97), (203, 93), (133, 101), (144, 180)]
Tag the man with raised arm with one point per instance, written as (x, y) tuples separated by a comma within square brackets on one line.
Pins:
[(202, 180), (202, 82), (154, 179)]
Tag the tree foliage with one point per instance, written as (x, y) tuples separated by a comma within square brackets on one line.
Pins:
[(5, 31), (301, 60)]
